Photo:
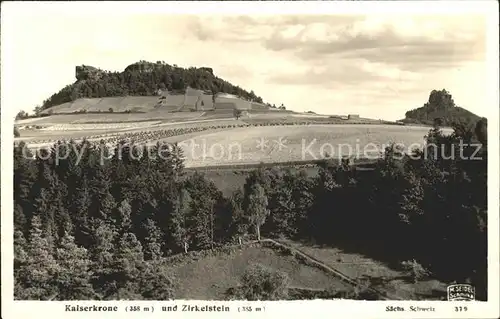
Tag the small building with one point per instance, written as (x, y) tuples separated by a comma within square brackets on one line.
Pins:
[(352, 116)]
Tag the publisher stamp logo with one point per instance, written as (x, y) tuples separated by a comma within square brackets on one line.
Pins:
[(461, 292)]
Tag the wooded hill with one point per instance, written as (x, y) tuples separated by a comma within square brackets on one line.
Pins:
[(143, 79), (440, 107)]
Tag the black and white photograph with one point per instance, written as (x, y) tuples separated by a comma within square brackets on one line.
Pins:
[(161, 154)]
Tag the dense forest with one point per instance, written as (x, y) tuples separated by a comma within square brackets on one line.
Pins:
[(143, 79), (101, 227), (440, 107)]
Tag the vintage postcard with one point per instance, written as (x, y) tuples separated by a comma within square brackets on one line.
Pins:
[(250, 159)]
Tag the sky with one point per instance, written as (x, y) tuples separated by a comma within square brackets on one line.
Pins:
[(376, 64)]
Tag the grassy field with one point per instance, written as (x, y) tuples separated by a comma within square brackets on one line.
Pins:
[(110, 118), (118, 104), (228, 180), (298, 143), (146, 104), (261, 136), (379, 275), (210, 277), (223, 143)]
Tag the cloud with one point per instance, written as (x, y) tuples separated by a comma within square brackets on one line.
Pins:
[(255, 28), (348, 50), (407, 42), (351, 63), (228, 29), (344, 73)]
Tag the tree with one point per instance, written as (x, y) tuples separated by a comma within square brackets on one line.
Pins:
[(102, 201), (38, 109), (21, 115), (126, 270), (110, 110), (20, 254), (124, 216), (304, 200), (239, 224), (129, 258), (438, 122), (202, 223), (16, 132), (102, 251), (156, 283), (152, 244), (289, 201), (481, 131), (25, 177), (178, 227), (79, 208), (74, 275), (37, 275), (237, 113), (257, 207)]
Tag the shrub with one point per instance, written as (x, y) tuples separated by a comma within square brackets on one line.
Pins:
[(16, 132), (110, 110), (261, 283), (156, 283), (415, 270)]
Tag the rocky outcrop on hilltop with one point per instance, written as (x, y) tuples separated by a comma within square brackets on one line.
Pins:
[(440, 108), (144, 79), (87, 72)]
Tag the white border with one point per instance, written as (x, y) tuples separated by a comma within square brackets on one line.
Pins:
[(367, 309)]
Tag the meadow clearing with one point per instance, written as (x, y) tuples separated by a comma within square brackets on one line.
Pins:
[(211, 274), (389, 280), (210, 277)]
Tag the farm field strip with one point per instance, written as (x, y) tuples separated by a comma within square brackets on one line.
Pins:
[(105, 118), (196, 137), (298, 143), (99, 126), (52, 136), (138, 138)]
